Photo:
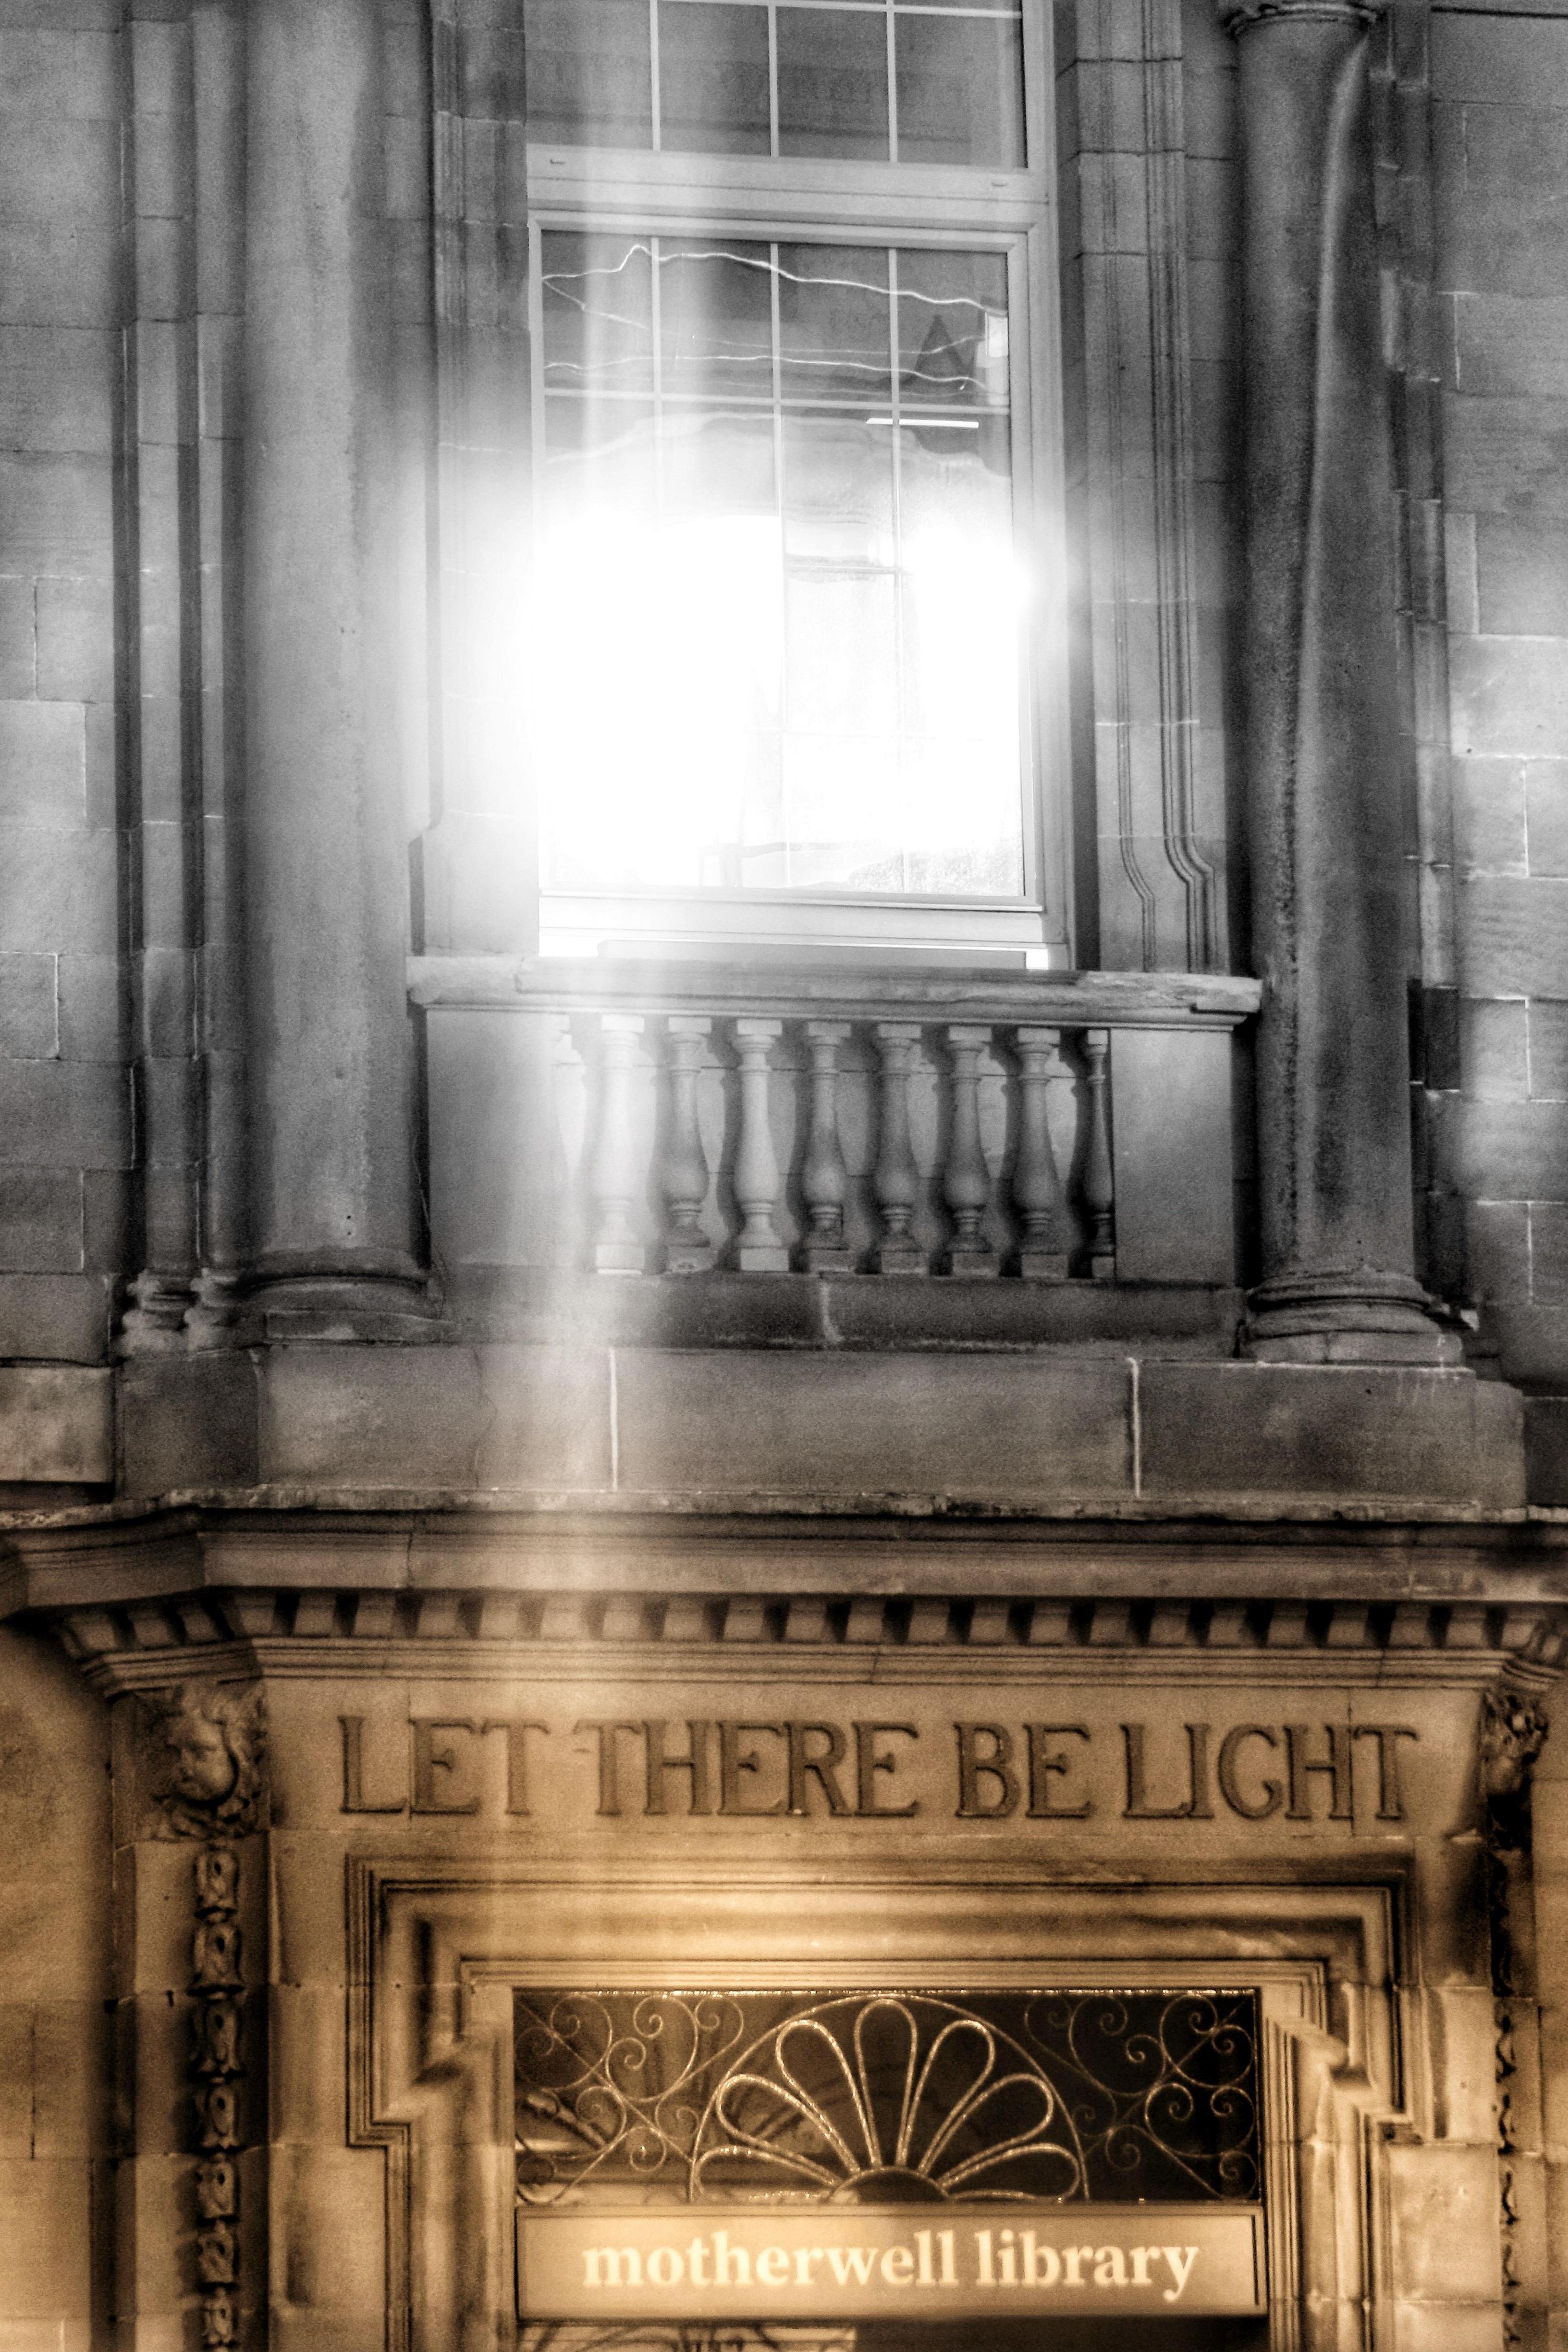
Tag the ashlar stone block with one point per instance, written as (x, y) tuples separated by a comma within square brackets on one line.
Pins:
[(74, 640), (56, 1425), (43, 766), (29, 1029), (1504, 456), (1278, 1429), (41, 1220), (873, 1425), (1510, 696), (1522, 567)]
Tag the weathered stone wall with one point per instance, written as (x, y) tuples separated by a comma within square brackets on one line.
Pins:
[(64, 1109), (56, 2021), (1499, 89)]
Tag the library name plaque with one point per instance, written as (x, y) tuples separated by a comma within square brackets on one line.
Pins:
[(871, 2262)]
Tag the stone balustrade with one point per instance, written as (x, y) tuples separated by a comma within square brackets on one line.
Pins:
[(683, 1120)]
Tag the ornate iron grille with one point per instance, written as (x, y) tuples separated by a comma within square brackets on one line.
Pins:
[(652, 2335), (875, 2097)]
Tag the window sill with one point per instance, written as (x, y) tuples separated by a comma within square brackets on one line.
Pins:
[(784, 989)]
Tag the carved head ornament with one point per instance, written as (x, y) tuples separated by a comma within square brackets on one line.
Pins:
[(204, 1754)]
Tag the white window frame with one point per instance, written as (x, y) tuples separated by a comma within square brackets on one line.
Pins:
[(628, 191)]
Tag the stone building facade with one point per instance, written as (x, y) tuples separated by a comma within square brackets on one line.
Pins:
[(824, 1590)]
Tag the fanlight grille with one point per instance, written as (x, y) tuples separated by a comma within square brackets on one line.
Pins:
[(900, 2096), (1018, 2096)]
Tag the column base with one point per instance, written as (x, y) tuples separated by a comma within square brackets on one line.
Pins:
[(153, 1323), (339, 1309), (1360, 1318)]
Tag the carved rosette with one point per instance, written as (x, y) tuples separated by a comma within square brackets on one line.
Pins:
[(206, 1758)]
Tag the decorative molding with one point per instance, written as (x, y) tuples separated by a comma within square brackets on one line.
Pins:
[(1161, 894), (329, 1630), (1513, 1729), (437, 1949), (1513, 1732), (203, 1765), (1239, 17), (218, 2071)]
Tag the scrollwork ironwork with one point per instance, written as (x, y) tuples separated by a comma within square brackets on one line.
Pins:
[(656, 2335), (1163, 2088), (613, 2083), (1017, 2097)]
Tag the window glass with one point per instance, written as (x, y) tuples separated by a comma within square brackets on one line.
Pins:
[(778, 600), (858, 79), (714, 76), (833, 82), (961, 89)]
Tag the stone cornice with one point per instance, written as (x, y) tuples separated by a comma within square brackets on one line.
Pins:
[(543, 1637), (202, 1555), (1240, 15)]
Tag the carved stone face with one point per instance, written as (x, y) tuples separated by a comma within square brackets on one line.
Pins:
[(203, 1769)]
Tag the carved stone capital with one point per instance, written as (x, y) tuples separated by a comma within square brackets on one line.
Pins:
[(1239, 17), (203, 1760), (1513, 1732)]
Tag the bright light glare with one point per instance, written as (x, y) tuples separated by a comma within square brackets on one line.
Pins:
[(661, 660), (674, 754)]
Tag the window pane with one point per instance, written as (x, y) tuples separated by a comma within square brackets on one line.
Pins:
[(833, 82), (716, 316), (961, 89), (834, 325), (589, 76), (838, 491), (953, 328), (713, 78), (598, 304)]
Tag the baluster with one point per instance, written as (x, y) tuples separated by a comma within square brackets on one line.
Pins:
[(1037, 1195), (758, 1249), (824, 1178), (683, 1176), (613, 1176), (896, 1179), (1098, 1186), (967, 1180)]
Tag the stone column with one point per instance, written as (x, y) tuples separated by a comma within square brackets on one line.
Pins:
[(326, 871), (1325, 766)]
